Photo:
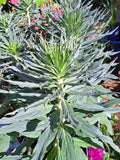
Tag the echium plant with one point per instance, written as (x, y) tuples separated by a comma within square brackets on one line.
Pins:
[(56, 79)]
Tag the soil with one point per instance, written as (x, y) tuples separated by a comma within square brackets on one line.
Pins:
[(114, 85)]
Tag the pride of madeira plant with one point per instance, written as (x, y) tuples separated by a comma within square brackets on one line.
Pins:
[(52, 64)]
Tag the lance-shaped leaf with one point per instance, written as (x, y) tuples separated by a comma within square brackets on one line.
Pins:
[(86, 128), (22, 147), (30, 129), (20, 93), (29, 114), (86, 142), (24, 84), (12, 157), (92, 107), (48, 135), (66, 144), (80, 154), (4, 143)]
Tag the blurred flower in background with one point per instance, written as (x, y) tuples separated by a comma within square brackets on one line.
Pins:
[(95, 153), (14, 1), (56, 10)]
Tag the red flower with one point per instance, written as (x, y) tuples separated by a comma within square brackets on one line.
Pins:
[(36, 28), (36, 20), (56, 10), (95, 153), (14, 1)]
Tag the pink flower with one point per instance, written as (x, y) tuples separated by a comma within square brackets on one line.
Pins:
[(56, 10), (95, 153), (14, 1), (36, 28), (36, 20)]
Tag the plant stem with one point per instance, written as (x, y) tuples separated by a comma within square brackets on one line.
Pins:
[(28, 16)]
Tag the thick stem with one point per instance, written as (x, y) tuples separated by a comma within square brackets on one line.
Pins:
[(60, 102), (28, 16)]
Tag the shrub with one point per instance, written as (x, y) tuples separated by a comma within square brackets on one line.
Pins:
[(53, 75)]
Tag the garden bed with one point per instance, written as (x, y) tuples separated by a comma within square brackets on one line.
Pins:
[(114, 85)]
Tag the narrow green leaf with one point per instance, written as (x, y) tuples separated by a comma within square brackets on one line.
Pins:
[(31, 129), (27, 143), (4, 143), (58, 153), (29, 114), (104, 120), (86, 142), (92, 107), (111, 103), (93, 131), (80, 155), (11, 157), (67, 145), (52, 154), (44, 140), (69, 114), (23, 84), (48, 135), (20, 93)]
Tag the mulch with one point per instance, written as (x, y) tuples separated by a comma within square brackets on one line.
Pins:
[(114, 85)]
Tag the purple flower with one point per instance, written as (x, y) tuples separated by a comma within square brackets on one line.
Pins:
[(95, 153), (105, 99)]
